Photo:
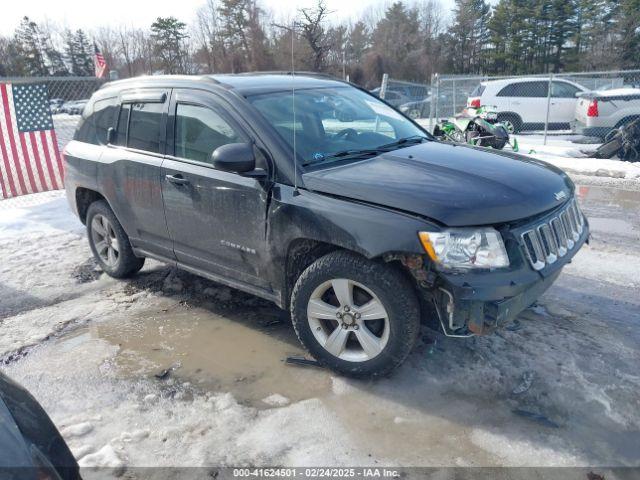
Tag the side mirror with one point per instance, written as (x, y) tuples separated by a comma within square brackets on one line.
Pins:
[(234, 157), (111, 135)]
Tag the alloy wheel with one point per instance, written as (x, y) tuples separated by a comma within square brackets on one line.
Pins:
[(105, 240), (348, 320)]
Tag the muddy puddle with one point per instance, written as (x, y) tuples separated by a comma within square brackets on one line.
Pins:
[(209, 351)]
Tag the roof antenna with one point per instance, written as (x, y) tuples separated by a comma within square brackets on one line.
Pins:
[(293, 101)]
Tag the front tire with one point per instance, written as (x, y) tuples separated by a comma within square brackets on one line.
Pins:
[(355, 316), (109, 242)]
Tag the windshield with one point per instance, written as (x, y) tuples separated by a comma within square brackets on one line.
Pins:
[(336, 122)]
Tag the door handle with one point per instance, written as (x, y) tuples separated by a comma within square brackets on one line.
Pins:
[(177, 179)]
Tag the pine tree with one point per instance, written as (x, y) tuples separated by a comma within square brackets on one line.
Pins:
[(628, 28), (394, 37), (168, 35), (469, 35), (30, 48), (85, 54)]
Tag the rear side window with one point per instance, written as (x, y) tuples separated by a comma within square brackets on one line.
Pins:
[(123, 123), (526, 89), (145, 122), (478, 91), (199, 131), (93, 128)]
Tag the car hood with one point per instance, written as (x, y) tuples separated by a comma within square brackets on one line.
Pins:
[(455, 185)]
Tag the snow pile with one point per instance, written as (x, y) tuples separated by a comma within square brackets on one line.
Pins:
[(574, 158), (276, 400)]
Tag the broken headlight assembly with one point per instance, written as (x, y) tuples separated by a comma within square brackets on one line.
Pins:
[(465, 248)]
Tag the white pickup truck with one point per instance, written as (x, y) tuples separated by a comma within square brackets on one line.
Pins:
[(599, 112)]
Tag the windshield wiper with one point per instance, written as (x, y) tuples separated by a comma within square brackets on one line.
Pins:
[(344, 154), (404, 141), (387, 147)]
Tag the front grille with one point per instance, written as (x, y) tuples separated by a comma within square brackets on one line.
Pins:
[(546, 242)]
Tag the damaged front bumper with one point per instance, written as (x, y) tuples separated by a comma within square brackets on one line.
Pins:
[(469, 303)]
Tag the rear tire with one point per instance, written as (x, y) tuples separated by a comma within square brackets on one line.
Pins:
[(355, 316), (109, 242)]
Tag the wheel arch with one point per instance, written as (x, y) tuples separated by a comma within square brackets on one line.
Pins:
[(84, 198), (627, 119), (302, 252), (511, 114)]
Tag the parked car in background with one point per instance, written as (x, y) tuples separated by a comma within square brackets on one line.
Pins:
[(409, 91), (419, 109), (392, 97), (599, 112), (55, 104), (422, 108), (521, 102), (30, 445), (74, 107)]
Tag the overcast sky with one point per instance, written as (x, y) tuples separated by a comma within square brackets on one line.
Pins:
[(88, 14)]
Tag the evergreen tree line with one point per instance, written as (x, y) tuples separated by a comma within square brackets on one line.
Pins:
[(35, 50), (408, 40)]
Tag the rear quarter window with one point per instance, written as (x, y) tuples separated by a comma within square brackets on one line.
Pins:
[(95, 123), (506, 91), (478, 91)]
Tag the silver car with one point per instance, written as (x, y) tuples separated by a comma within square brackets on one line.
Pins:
[(599, 112)]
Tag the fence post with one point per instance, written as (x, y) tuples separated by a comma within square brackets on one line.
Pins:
[(546, 121), (454, 99), (383, 87), (434, 95)]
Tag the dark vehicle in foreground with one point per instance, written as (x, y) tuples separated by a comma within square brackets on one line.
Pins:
[(341, 210), (31, 447)]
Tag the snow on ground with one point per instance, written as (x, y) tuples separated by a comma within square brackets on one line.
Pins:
[(169, 369), (575, 158)]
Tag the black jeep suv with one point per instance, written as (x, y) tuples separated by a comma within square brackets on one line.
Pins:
[(315, 194)]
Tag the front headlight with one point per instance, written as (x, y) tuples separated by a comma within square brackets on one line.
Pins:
[(465, 248)]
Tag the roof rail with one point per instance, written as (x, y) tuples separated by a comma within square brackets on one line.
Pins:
[(151, 78), (289, 72)]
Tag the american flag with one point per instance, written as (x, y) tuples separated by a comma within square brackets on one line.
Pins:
[(98, 60), (30, 161)]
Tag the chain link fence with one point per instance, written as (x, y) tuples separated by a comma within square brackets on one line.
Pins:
[(67, 98), (588, 103)]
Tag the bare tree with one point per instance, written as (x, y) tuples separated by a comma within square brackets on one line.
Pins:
[(311, 27), (210, 47)]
